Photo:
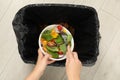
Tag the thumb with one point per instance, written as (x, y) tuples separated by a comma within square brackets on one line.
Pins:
[(46, 57)]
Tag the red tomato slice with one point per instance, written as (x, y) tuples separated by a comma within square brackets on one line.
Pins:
[(60, 53)]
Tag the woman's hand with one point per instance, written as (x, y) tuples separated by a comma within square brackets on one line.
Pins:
[(43, 61), (41, 64), (73, 65)]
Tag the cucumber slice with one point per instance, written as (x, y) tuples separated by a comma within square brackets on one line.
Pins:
[(63, 48), (53, 49), (53, 54)]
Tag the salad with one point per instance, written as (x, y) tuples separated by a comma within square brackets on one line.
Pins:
[(55, 41)]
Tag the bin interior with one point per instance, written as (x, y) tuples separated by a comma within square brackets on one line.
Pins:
[(81, 21)]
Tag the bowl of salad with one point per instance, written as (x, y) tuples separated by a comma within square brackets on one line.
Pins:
[(54, 40)]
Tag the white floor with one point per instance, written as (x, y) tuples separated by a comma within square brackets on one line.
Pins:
[(107, 65)]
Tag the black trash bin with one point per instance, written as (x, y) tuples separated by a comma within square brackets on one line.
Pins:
[(82, 21)]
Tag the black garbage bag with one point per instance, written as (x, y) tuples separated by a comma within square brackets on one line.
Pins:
[(82, 21)]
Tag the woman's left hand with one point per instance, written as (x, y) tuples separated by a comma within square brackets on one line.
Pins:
[(42, 62)]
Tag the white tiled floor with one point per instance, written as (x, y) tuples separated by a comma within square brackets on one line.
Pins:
[(107, 65)]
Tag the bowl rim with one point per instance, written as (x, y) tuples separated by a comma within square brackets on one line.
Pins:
[(50, 27)]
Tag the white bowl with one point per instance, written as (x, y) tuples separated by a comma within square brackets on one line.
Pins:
[(51, 27)]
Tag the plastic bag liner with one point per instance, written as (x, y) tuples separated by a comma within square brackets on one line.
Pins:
[(81, 21)]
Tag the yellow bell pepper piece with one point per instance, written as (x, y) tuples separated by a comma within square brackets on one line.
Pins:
[(44, 42), (63, 30), (44, 48), (54, 34)]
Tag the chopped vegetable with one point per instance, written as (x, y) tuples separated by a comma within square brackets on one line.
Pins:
[(59, 27), (63, 48), (44, 48), (53, 49), (69, 37), (51, 43), (46, 35), (60, 53), (54, 34), (59, 40), (54, 54), (63, 30)]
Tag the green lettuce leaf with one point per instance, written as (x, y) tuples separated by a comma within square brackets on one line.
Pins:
[(59, 40), (46, 35), (63, 48), (53, 49)]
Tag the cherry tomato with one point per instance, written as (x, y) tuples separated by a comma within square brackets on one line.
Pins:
[(59, 27), (60, 53)]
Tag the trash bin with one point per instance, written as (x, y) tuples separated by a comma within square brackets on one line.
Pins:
[(81, 21)]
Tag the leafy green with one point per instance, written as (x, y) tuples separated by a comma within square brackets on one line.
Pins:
[(53, 49), (63, 48), (53, 54), (46, 35), (59, 39), (69, 37)]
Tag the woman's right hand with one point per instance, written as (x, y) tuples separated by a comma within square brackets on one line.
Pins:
[(73, 65)]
